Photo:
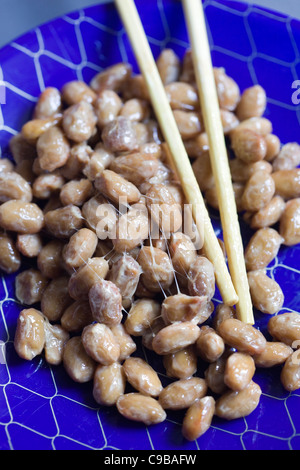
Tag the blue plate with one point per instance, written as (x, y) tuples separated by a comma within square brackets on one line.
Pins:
[(40, 407)]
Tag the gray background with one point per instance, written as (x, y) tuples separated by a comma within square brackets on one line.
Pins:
[(19, 16)]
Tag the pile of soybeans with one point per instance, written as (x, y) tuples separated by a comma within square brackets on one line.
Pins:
[(107, 260)]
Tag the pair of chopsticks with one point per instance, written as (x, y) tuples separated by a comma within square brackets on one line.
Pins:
[(233, 287)]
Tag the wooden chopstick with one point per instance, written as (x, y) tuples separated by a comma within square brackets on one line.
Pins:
[(181, 162), (202, 61)]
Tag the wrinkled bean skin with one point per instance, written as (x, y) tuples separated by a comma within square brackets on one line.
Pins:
[(64, 221), (182, 96), (29, 337), (269, 215), (141, 408), (79, 121), (106, 302), (29, 286), (75, 91), (76, 316), (234, 405), (55, 298), (201, 278), (222, 312), (248, 146), (214, 375), (112, 78), (239, 371), (53, 149), (168, 64), (274, 354), (227, 89), (21, 149), (152, 149), (98, 162), (164, 209), (142, 376), (125, 274), (242, 336), (107, 107), (172, 338), (131, 229), (290, 223), (258, 192), (76, 192), (203, 172), (266, 293), (181, 307), (100, 343), (125, 341), (260, 125), (135, 167), (273, 146), (34, 129), (198, 418), (77, 363), (142, 133), (80, 247), (189, 123), (262, 248), (48, 104), (14, 186), (183, 254), (209, 346), (229, 121), (46, 184), (288, 157), (197, 146), (10, 259), (108, 383), (79, 157), (182, 393), (113, 186), (252, 103), (287, 183), (119, 135), (285, 327), (157, 268), (150, 332), (49, 259), (141, 315), (106, 222), (94, 209), (20, 216), (135, 109), (55, 339), (181, 364), (86, 276), (242, 171), (164, 175), (290, 373)]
